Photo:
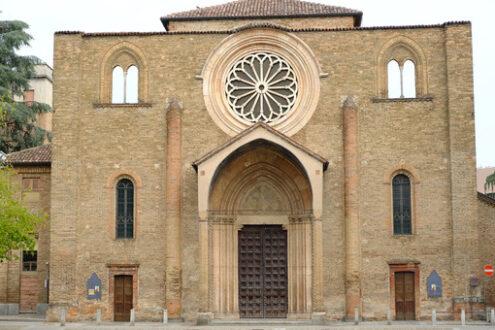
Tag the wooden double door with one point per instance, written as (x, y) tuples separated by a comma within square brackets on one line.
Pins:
[(263, 272), (404, 296), (122, 298)]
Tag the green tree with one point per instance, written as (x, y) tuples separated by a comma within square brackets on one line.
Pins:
[(18, 130), (18, 226), (490, 185)]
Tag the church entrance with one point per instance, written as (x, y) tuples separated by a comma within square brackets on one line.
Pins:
[(259, 240), (263, 272), (123, 298), (404, 296)]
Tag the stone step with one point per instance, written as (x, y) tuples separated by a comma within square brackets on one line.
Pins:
[(259, 321)]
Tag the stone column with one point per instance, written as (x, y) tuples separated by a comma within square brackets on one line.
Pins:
[(351, 200), (173, 282), (223, 267), (300, 268), (318, 313)]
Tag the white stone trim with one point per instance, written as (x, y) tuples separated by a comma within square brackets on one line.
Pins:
[(312, 165)]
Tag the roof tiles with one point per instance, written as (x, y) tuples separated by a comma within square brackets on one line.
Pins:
[(31, 156), (262, 8)]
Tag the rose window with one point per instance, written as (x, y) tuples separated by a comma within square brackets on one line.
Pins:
[(261, 87)]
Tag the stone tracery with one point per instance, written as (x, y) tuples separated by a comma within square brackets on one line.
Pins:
[(261, 87)]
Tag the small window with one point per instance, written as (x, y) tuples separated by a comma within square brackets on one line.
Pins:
[(131, 85), (401, 191), (409, 79), (30, 184), (118, 85), (125, 209), (29, 261), (125, 85), (394, 83), (401, 79)]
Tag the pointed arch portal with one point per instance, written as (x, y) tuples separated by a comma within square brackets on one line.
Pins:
[(264, 183)]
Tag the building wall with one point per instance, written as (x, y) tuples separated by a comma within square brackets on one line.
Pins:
[(41, 90), (486, 221), (226, 24), (96, 143), (11, 273), (481, 174)]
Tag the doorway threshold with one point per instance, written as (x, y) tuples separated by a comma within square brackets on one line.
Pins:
[(267, 321)]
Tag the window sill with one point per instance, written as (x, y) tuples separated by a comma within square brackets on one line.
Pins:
[(403, 236), (401, 100), (122, 105)]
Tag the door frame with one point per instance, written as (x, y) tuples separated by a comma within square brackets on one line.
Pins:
[(115, 269), (412, 267)]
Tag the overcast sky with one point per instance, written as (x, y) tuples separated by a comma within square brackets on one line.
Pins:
[(47, 16)]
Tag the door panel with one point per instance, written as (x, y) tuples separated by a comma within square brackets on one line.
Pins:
[(28, 296), (404, 296), (123, 298), (263, 272)]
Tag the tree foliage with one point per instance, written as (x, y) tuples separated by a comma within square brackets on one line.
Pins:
[(18, 128), (18, 226)]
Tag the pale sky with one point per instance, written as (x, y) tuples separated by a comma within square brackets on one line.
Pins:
[(47, 16)]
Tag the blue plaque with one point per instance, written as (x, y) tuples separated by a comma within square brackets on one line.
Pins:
[(434, 285), (93, 287)]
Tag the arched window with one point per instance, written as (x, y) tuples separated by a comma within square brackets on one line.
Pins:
[(125, 209), (409, 79), (131, 85), (401, 79), (118, 85), (401, 195), (125, 85), (393, 74)]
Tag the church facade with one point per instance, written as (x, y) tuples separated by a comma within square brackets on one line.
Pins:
[(266, 160)]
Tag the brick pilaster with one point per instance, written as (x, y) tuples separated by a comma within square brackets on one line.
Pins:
[(173, 208), (351, 200)]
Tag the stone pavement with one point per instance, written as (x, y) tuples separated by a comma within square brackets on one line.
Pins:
[(32, 322)]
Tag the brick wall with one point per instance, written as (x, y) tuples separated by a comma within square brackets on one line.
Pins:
[(93, 143)]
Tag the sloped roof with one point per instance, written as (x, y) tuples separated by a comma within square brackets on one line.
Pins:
[(262, 8), (41, 155), (271, 130)]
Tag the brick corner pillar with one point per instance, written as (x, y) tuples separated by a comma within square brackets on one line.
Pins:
[(173, 269), (351, 202)]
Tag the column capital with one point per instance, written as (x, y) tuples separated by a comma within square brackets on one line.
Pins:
[(173, 104)]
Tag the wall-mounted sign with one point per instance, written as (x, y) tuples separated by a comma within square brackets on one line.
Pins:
[(488, 270), (434, 285), (93, 287)]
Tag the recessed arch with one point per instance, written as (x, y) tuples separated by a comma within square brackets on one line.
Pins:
[(125, 55), (312, 164), (261, 161), (401, 49)]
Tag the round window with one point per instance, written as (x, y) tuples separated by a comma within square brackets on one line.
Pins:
[(261, 87), (261, 74)]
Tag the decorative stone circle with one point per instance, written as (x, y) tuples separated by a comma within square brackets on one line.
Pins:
[(261, 87), (261, 74)]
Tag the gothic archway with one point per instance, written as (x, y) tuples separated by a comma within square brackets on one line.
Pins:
[(260, 184)]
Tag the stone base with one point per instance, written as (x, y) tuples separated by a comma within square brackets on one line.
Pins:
[(474, 308), (318, 318), (204, 318), (9, 309), (41, 309)]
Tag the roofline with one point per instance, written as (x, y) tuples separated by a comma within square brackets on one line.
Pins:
[(357, 17), (208, 155), (35, 163), (485, 198), (268, 25)]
